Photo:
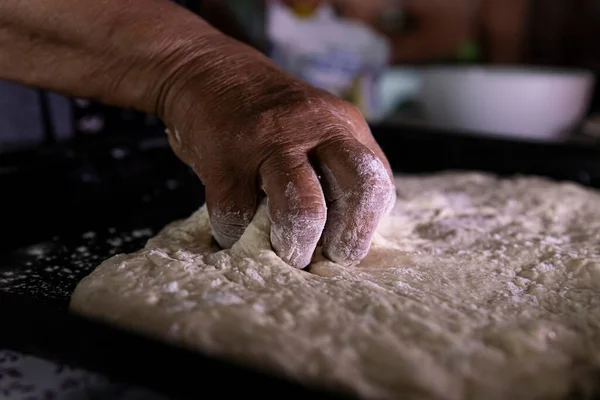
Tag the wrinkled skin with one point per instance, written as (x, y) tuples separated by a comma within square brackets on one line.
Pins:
[(310, 153), (247, 128)]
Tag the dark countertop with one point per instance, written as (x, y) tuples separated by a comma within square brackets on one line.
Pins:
[(67, 207)]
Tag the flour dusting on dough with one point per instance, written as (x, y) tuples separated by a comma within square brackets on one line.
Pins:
[(474, 287)]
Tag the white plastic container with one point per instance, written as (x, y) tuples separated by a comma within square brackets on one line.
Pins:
[(527, 103)]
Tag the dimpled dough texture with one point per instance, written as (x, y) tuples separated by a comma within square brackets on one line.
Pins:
[(475, 287)]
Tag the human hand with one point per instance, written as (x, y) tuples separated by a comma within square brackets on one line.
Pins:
[(249, 130)]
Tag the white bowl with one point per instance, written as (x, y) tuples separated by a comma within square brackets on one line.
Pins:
[(528, 103)]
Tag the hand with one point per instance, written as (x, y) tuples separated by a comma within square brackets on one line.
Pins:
[(244, 126), (249, 130)]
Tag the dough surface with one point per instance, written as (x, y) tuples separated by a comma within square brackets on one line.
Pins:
[(475, 287)]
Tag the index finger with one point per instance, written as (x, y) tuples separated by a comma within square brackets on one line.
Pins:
[(359, 190), (296, 207)]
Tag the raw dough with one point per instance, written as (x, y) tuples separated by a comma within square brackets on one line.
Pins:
[(475, 287)]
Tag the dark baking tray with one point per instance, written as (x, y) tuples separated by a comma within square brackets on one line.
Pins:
[(66, 208)]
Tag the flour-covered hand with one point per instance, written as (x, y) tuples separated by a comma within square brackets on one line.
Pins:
[(243, 125), (249, 130)]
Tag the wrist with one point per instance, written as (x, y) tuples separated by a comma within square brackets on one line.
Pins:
[(159, 57), (221, 78), (159, 68)]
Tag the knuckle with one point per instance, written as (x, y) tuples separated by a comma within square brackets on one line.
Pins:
[(228, 224), (226, 214), (371, 172), (305, 202), (226, 234), (283, 105), (307, 209), (226, 220), (282, 158), (352, 110), (311, 116), (374, 183)]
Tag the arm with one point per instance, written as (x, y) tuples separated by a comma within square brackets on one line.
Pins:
[(248, 129), (120, 52)]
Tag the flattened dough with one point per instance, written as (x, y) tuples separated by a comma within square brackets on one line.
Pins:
[(475, 287)]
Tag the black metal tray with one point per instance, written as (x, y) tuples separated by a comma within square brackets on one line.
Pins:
[(66, 208)]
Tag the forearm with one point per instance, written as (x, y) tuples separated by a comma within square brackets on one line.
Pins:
[(121, 52)]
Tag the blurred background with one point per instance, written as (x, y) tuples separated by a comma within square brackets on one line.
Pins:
[(522, 68)]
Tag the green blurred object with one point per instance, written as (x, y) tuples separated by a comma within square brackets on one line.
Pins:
[(469, 52)]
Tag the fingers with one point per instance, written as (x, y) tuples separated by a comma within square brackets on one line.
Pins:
[(359, 190), (365, 137), (296, 207), (231, 206), (374, 146)]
